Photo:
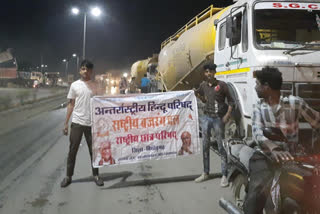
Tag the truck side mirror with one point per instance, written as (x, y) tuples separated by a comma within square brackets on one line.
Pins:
[(215, 22), (229, 27)]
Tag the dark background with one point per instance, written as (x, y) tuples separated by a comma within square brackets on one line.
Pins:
[(128, 30)]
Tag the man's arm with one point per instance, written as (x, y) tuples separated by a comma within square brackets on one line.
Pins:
[(310, 115), (200, 93), (230, 104), (227, 116), (257, 129), (264, 143), (100, 91), (69, 113)]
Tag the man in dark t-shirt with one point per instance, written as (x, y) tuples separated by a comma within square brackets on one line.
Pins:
[(214, 93)]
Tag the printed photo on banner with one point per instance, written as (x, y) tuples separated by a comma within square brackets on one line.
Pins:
[(135, 128)]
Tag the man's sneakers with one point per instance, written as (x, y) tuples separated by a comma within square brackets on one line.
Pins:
[(202, 178), (224, 182), (65, 182), (98, 181)]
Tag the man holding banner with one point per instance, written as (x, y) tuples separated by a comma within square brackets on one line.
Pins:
[(79, 106), (214, 92)]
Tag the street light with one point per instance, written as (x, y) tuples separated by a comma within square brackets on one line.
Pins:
[(75, 11), (66, 69), (125, 75), (95, 12), (76, 56)]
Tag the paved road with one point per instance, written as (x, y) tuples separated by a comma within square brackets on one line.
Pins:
[(34, 158), (14, 118)]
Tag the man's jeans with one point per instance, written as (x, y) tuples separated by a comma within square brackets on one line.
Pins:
[(145, 89), (75, 138), (261, 176), (207, 123)]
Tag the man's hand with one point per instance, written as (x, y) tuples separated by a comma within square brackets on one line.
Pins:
[(225, 118), (316, 169), (281, 155), (203, 99), (65, 129)]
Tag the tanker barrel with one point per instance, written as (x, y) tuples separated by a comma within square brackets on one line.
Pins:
[(183, 55)]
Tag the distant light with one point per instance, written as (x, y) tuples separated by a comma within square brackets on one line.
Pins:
[(113, 90), (64, 60), (125, 75), (46, 66), (42, 66), (75, 11), (96, 11), (74, 55), (112, 81)]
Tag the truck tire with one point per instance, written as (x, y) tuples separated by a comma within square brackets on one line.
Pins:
[(237, 114), (238, 187)]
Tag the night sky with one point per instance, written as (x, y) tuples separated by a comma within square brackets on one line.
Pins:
[(128, 30)]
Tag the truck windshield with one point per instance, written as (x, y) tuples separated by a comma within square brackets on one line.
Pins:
[(276, 27)]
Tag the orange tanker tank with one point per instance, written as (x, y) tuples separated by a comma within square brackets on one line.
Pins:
[(139, 68), (183, 54)]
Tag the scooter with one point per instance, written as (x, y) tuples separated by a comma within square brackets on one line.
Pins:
[(299, 180)]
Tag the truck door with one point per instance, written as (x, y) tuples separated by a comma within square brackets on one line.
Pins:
[(232, 41), (231, 57)]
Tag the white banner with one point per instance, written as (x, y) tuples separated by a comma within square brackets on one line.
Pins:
[(133, 128)]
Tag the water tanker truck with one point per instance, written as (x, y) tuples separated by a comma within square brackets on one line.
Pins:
[(242, 38), (149, 67)]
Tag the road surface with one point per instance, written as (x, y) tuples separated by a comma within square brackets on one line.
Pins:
[(33, 161)]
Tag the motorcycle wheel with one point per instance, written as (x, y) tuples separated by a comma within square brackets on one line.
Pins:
[(238, 187), (290, 206)]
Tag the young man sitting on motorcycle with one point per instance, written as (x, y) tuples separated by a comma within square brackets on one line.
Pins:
[(273, 110)]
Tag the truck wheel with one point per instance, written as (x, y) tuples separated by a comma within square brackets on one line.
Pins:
[(238, 187)]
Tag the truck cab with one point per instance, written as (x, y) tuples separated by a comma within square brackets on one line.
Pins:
[(284, 34)]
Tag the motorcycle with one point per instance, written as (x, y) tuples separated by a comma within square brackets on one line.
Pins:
[(298, 180)]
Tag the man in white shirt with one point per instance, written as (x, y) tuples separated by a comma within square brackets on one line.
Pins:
[(79, 106)]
